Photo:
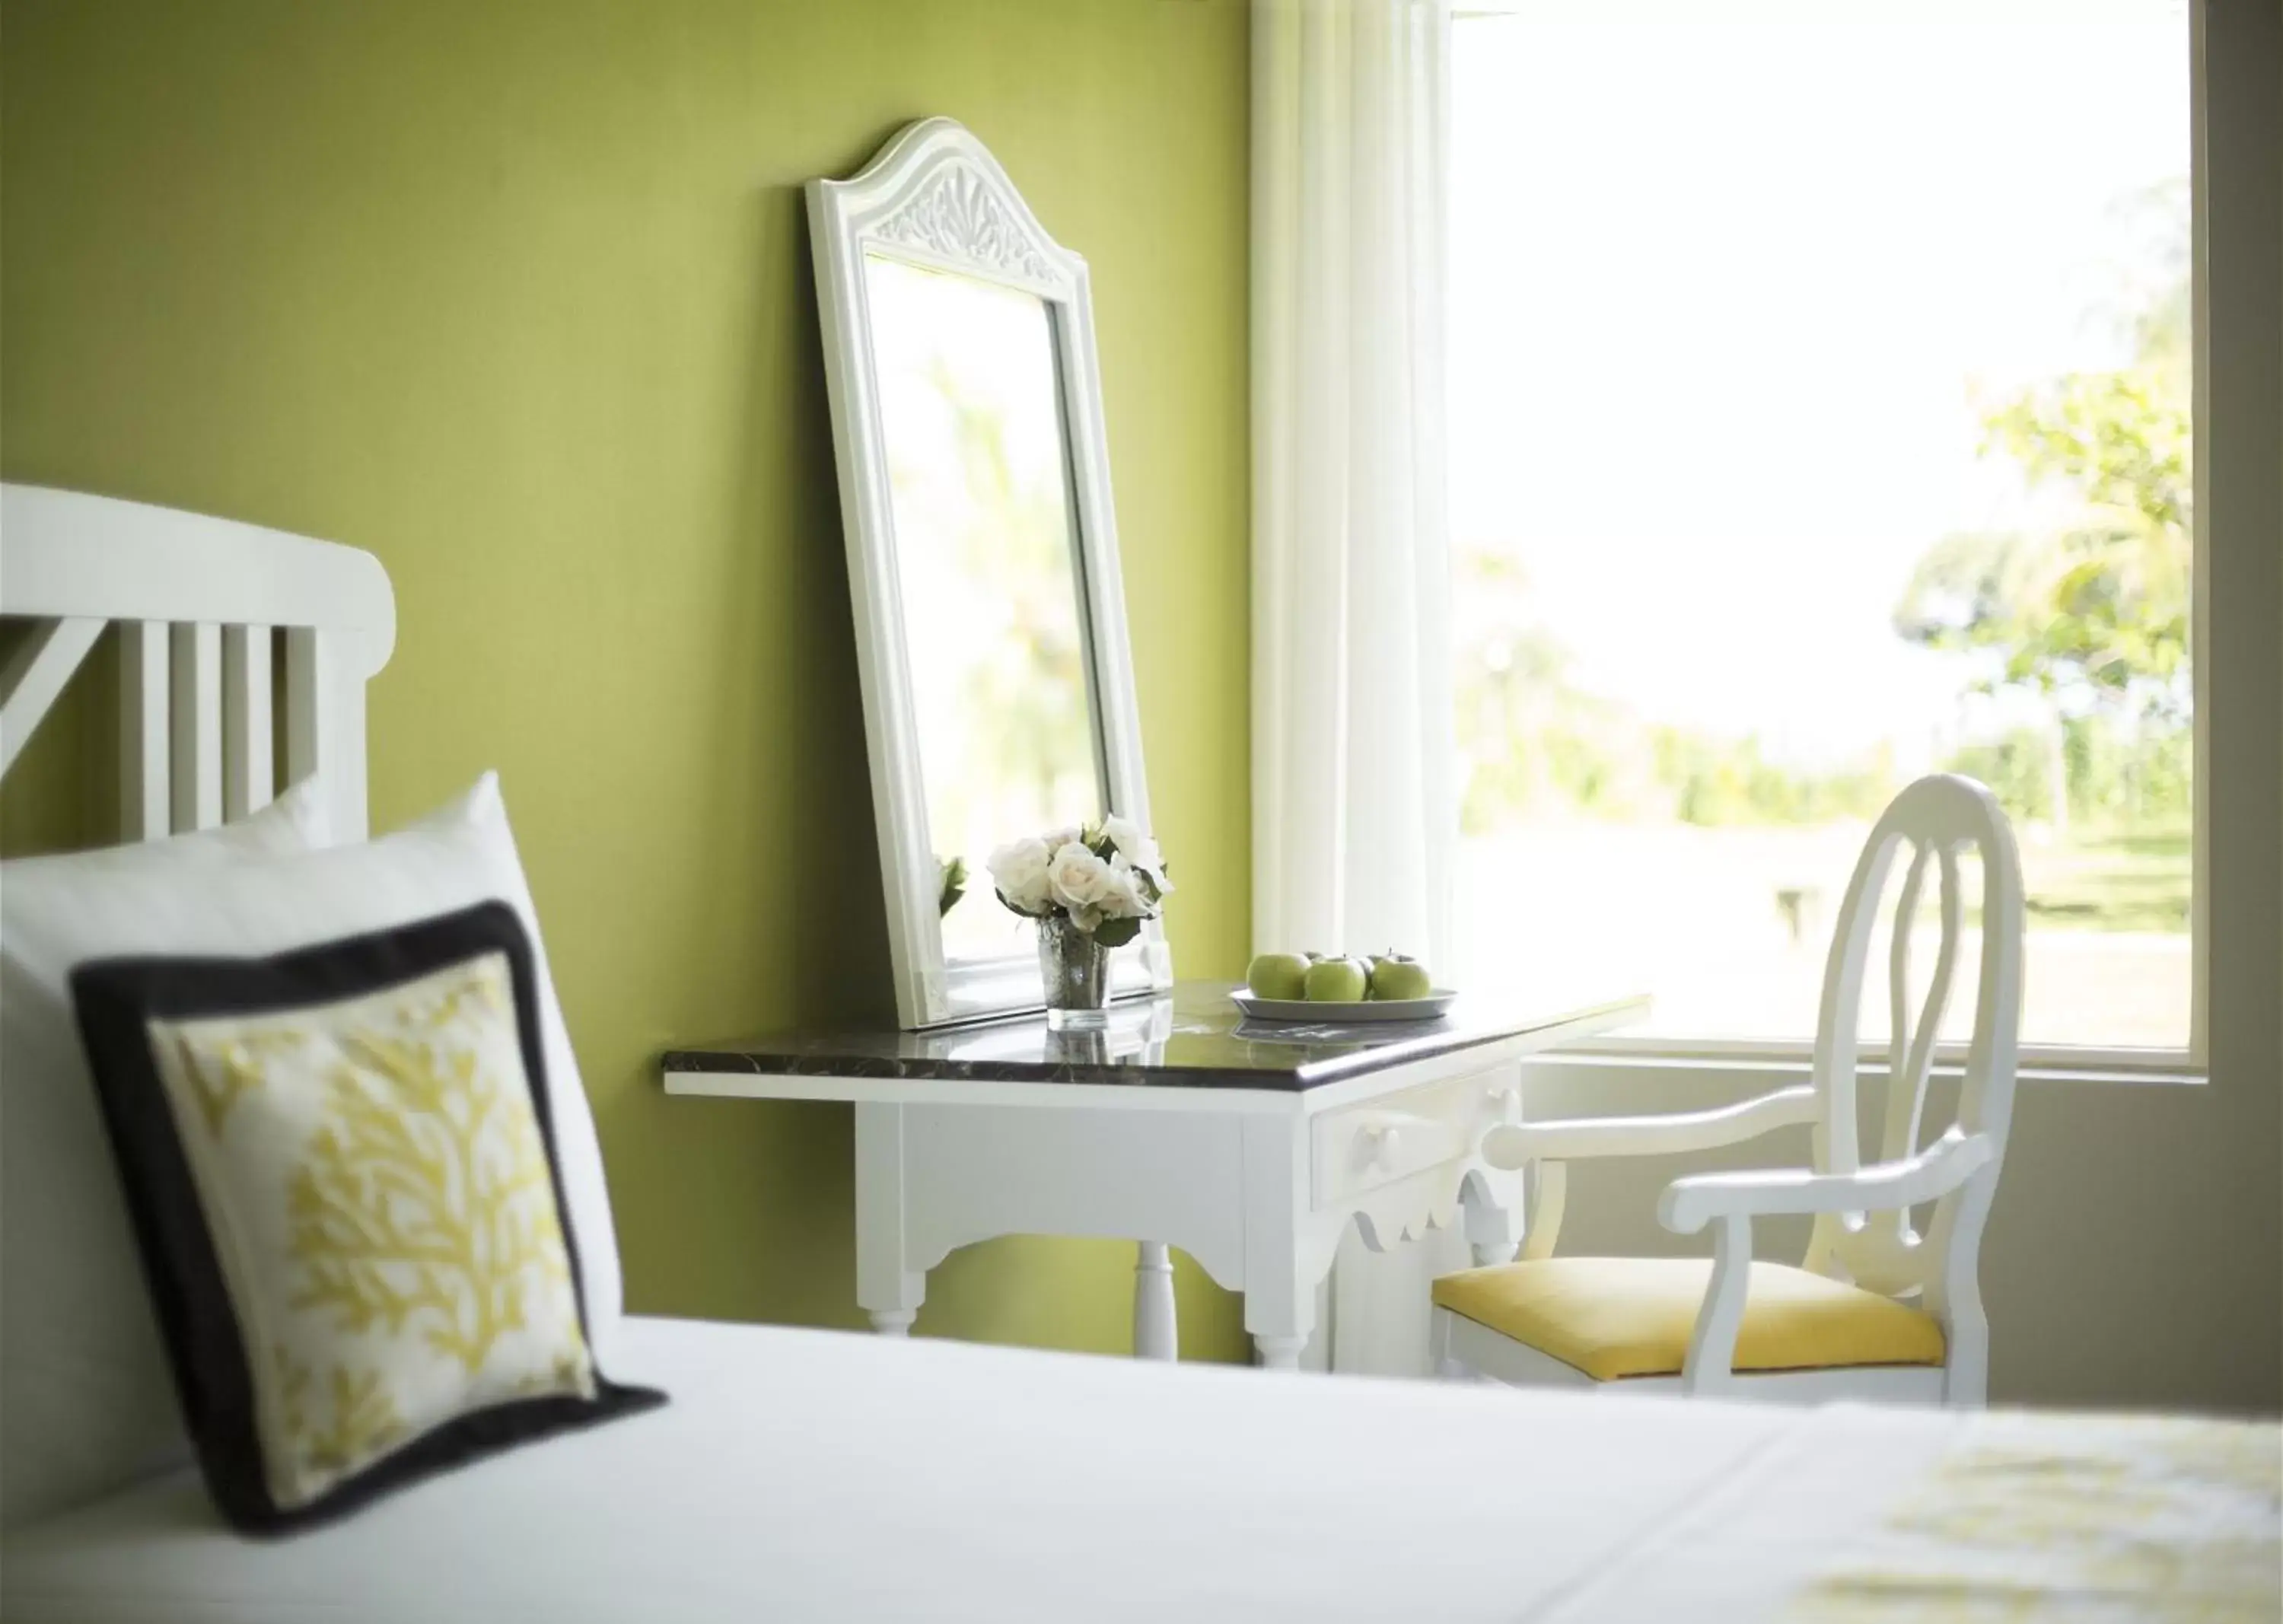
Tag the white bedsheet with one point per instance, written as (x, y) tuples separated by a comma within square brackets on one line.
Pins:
[(810, 1475), (803, 1475)]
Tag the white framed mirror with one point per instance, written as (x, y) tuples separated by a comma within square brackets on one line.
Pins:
[(982, 556)]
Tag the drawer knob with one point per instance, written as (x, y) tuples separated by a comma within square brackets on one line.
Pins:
[(1383, 1144)]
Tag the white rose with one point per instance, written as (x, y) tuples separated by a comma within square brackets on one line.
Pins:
[(1018, 869), (1079, 880), (1138, 850), (1127, 900), (1133, 843)]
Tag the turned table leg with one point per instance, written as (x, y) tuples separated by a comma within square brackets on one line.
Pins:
[(889, 1293), (1155, 1334)]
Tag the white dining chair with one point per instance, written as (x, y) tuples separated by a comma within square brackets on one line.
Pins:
[(1874, 1309)]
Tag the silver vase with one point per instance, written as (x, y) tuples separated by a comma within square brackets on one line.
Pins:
[(1076, 969)]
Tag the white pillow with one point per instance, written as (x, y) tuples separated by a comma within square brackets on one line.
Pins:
[(76, 1332), (85, 1403)]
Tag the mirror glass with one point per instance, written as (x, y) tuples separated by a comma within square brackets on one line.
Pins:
[(987, 561)]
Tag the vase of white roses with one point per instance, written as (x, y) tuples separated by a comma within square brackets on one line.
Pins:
[(1089, 888)]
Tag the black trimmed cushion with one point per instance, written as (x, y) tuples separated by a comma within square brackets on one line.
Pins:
[(341, 1174)]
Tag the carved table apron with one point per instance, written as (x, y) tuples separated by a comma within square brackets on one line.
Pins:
[(1251, 1147)]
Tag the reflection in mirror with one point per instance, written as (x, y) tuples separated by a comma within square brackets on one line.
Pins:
[(971, 414)]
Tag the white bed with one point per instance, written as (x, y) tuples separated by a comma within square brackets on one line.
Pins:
[(802, 1475), (805, 1475)]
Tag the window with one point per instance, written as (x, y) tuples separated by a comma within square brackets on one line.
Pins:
[(1820, 416)]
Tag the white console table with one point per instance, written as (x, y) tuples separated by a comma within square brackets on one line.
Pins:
[(1249, 1146)]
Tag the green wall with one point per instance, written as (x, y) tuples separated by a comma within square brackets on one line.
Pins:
[(518, 297)]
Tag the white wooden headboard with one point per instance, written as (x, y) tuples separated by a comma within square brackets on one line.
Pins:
[(200, 604)]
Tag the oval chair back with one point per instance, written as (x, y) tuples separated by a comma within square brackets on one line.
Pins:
[(1937, 818)]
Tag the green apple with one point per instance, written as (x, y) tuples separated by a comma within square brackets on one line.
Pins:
[(1278, 975), (1395, 977), (1337, 980)]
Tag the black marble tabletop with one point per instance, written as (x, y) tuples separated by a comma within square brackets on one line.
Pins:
[(1193, 1038)]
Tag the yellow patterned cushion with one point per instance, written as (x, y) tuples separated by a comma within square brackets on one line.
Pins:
[(340, 1168), (380, 1201), (1615, 1318)]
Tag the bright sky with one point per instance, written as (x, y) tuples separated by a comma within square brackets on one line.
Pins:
[(1726, 279)]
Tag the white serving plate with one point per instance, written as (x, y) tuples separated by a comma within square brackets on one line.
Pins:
[(1430, 1007)]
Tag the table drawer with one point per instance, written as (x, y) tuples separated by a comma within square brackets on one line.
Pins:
[(1362, 1147)]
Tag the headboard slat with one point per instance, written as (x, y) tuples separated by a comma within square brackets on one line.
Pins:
[(325, 726), (197, 696), (249, 742), (145, 807)]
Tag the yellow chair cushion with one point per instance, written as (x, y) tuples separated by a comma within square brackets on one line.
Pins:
[(1615, 1318)]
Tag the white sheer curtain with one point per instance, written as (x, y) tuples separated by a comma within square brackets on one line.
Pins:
[(1354, 819)]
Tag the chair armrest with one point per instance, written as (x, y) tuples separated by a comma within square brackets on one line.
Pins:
[(1689, 1204), (1510, 1145)]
